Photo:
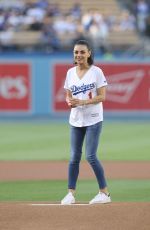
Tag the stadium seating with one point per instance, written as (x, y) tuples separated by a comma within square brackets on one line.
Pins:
[(124, 38)]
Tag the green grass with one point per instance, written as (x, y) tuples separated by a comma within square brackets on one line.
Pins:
[(50, 141), (121, 190)]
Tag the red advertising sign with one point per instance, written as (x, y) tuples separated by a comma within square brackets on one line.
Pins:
[(15, 87), (128, 86), (59, 92)]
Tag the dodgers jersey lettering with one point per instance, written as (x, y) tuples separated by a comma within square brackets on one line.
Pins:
[(85, 88)]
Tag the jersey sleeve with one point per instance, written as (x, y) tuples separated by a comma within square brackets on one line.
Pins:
[(101, 80)]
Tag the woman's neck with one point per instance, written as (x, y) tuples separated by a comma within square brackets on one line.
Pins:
[(83, 67)]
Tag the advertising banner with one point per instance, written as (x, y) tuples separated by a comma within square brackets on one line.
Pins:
[(15, 87), (128, 86)]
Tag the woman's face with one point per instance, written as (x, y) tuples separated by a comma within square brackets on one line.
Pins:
[(81, 54)]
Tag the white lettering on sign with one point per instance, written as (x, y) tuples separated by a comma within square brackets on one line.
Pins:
[(120, 89), (123, 86), (13, 88), (60, 95)]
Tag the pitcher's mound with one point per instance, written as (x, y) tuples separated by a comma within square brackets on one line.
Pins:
[(50, 216)]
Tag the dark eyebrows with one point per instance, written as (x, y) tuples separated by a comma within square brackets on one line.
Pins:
[(81, 51)]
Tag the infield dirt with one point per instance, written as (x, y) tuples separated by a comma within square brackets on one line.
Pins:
[(39, 216), (57, 170), (114, 216)]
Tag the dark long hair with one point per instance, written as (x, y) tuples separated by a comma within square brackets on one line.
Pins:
[(90, 60)]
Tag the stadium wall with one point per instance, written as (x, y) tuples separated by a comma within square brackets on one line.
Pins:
[(32, 86)]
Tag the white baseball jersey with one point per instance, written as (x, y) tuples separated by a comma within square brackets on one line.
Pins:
[(85, 88)]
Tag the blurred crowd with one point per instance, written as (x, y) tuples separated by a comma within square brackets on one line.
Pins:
[(141, 11), (56, 25)]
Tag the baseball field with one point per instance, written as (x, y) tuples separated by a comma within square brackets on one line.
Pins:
[(33, 178)]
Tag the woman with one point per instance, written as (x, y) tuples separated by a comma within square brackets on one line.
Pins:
[(85, 91)]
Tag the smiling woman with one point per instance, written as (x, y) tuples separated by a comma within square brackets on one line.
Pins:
[(85, 91), (82, 57)]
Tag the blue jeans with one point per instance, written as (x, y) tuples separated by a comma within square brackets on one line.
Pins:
[(91, 135)]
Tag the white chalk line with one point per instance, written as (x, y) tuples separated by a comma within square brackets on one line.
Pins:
[(56, 204)]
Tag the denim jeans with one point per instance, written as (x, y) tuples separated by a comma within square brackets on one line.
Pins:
[(91, 135)]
